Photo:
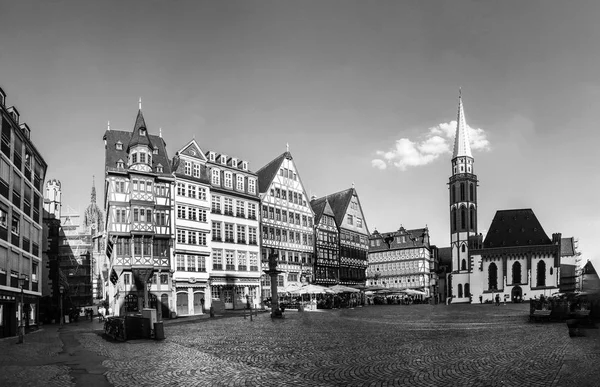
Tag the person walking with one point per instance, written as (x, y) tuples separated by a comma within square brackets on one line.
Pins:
[(497, 299)]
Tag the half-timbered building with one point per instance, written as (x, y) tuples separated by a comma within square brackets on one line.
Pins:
[(138, 202), (286, 221), (327, 245)]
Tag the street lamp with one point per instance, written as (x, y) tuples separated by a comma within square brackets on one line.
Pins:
[(61, 289), (21, 326), (147, 301)]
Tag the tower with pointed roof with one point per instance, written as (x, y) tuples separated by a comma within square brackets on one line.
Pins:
[(463, 205)]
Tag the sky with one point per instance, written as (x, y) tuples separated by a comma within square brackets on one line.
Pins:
[(363, 92)]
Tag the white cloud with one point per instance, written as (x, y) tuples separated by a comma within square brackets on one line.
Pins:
[(438, 141)]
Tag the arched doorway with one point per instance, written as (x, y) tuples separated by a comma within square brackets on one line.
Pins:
[(467, 290), (198, 303), (182, 304), (164, 305), (460, 293), (516, 295)]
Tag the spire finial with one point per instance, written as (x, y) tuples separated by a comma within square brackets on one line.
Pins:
[(462, 145), (352, 185), (140, 103), (93, 189), (459, 92), (160, 132), (108, 126), (287, 147)]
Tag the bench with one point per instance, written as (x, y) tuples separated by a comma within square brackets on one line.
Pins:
[(540, 315)]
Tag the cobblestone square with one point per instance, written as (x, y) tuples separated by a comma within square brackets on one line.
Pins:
[(417, 345)]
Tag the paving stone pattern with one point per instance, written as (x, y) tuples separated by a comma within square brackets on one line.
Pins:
[(390, 345)]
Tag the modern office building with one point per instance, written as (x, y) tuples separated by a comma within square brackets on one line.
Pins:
[(22, 173)]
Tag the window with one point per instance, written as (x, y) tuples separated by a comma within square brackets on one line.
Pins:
[(216, 177), (229, 232), (229, 206), (229, 260), (277, 193), (541, 274), (472, 218), (463, 221), (350, 219), (463, 265), (241, 261), (271, 213), (201, 193), (241, 233), (240, 183), (188, 168), (228, 180), (359, 222), (3, 218), (251, 186), (277, 214), (191, 191), (181, 212), (239, 208), (493, 277), (471, 192), (202, 215), (161, 217), (120, 186), (216, 231), (252, 235), (192, 213), (216, 204), (196, 170), (142, 157), (180, 262), (181, 236), (16, 221), (284, 216), (516, 273), (304, 221), (251, 211), (462, 192), (191, 263)]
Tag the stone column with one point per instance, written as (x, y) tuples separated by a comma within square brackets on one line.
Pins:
[(273, 273)]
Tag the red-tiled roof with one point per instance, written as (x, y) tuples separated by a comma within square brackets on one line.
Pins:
[(512, 228)]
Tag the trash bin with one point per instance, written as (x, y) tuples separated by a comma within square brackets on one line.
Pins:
[(159, 330)]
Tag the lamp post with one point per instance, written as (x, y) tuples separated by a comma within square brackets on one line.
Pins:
[(21, 326), (147, 298), (61, 289)]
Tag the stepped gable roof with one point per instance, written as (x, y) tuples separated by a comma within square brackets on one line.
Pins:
[(445, 256), (339, 203), (136, 139), (567, 247), (511, 228), (113, 154), (267, 173), (414, 238)]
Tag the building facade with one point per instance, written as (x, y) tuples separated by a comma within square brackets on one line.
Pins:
[(22, 173), (192, 229), (570, 266), (403, 259), (138, 203), (327, 243), (287, 223), (234, 277)]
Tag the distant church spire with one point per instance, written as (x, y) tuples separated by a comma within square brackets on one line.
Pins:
[(140, 103), (93, 189), (462, 146)]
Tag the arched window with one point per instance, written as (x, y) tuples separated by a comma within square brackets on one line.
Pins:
[(516, 273), (453, 190), (471, 192), (467, 290), (453, 219), (551, 271), (463, 248), (541, 274), (463, 265), (463, 220), (460, 293), (492, 277), (462, 192), (472, 218)]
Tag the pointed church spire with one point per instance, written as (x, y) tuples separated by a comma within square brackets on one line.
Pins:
[(140, 104), (462, 146), (93, 189)]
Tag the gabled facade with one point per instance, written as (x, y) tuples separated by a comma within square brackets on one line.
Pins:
[(402, 259), (353, 237), (327, 243), (516, 260), (138, 203), (286, 221), (192, 229), (234, 276), (22, 172)]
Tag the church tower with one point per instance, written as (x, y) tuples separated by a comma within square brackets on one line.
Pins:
[(463, 209)]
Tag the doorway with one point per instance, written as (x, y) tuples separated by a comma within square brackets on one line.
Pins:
[(164, 306), (516, 295), (182, 304), (198, 303), (228, 298)]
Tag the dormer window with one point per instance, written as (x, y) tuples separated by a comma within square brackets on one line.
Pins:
[(224, 159), (142, 158), (134, 158), (211, 156), (119, 145), (149, 159), (142, 132), (120, 164), (245, 165), (155, 150), (234, 162), (159, 168)]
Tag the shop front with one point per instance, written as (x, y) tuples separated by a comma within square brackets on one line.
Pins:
[(10, 309), (234, 293)]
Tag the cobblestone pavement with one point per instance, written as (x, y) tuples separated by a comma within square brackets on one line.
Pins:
[(417, 345)]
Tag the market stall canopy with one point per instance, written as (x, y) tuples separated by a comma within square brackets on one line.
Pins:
[(344, 289), (413, 292), (291, 288), (313, 289), (376, 288)]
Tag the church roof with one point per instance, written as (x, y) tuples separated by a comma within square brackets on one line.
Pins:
[(512, 228), (462, 146), (267, 173)]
